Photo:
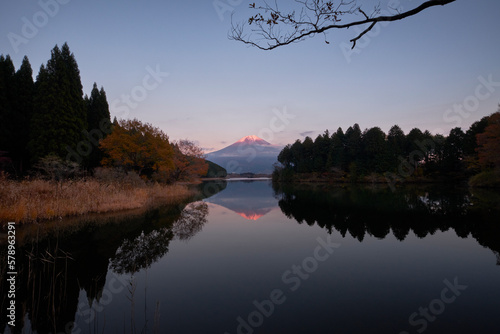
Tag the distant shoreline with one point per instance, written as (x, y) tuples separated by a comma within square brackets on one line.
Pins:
[(490, 179), (237, 178), (240, 177)]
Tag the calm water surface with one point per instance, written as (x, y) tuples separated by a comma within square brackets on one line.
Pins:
[(253, 259)]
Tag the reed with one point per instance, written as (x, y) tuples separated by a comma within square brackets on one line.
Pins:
[(37, 200)]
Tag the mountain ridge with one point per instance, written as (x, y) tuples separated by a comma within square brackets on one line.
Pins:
[(249, 154)]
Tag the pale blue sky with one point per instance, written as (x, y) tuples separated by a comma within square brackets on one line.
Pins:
[(409, 73)]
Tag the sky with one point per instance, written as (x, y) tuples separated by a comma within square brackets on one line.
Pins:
[(171, 64)]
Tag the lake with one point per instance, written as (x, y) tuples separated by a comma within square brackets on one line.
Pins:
[(250, 258)]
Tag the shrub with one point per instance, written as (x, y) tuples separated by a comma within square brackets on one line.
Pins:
[(486, 179)]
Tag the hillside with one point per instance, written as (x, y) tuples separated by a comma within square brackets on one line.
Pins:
[(250, 154)]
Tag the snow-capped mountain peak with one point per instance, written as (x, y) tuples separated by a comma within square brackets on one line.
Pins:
[(253, 139), (249, 154)]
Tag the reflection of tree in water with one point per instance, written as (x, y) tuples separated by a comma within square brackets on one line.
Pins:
[(142, 251), (52, 271), (377, 211), (191, 221), (146, 248), (48, 281), (497, 254)]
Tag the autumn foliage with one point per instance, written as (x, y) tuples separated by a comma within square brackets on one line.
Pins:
[(145, 149), (189, 161), (137, 146), (489, 143)]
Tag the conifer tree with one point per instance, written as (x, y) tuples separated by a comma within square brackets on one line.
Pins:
[(337, 154), (98, 119), (44, 123), (23, 110), (396, 141), (353, 146), (374, 157), (453, 150), (7, 72), (59, 116)]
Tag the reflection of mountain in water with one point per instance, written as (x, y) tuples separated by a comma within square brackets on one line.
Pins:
[(249, 199)]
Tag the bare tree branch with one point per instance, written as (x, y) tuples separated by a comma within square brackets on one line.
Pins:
[(315, 17), (354, 40)]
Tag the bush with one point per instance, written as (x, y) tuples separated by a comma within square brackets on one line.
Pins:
[(118, 175), (52, 167), (486, 179)]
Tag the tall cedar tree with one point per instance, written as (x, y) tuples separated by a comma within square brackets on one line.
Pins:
[(374, 157), (16, 105), (98, 119), (396, 141), (59, 116), (337, 155), (453, 151), (7, 72), (23, 109)]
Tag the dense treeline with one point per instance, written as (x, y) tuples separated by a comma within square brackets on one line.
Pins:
[(354, 154), (49, 116), (50, 127)]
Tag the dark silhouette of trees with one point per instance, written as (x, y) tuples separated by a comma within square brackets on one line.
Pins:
[(453, 151), (354, 154), (59, 116), (396, 143), (50, 127), (374, 155), (98, 118), (489, 143), (49, 117), (337, 154), (16, 108)]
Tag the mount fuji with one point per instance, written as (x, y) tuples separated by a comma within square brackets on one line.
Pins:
[(250, 154)]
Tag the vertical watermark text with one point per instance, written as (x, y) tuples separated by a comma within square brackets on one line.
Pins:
[(11, 274)]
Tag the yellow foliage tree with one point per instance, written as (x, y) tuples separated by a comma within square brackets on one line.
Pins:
[(138, 146)]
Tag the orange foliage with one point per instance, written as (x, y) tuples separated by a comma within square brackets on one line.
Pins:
[(489, 143), (137, 146), (189, 161)]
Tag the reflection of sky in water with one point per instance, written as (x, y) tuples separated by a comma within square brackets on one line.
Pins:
[(251, 200), (204, 284)]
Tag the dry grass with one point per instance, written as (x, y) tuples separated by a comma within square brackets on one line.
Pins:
[(37, 200)]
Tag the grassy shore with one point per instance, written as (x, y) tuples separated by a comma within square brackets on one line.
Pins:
[(37, 200)]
